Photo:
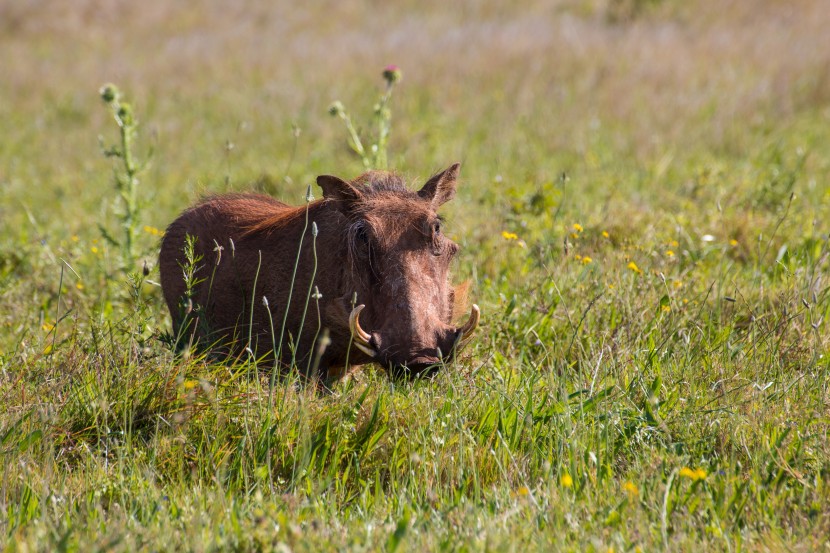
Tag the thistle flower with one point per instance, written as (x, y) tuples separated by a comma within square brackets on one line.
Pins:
[(337, 109), (109, 93), (392, 74), (125, 114)]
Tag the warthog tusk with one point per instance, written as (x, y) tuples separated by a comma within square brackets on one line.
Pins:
[(361, 337), (365, 349), (466, 331)]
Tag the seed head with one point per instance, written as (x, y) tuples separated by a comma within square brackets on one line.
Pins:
[(337, 109), (109, 93), (125, 113)]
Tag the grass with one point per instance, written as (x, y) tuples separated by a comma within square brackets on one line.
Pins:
[(643, 216)]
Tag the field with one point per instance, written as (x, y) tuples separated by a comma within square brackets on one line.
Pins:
[(644, 216)]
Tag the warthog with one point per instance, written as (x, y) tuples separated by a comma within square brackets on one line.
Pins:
[(281, 281)]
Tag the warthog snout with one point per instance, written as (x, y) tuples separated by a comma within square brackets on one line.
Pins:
[(417, 361)]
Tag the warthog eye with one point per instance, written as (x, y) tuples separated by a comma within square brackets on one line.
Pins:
[(362, 236), (437, 239), (360, 240)]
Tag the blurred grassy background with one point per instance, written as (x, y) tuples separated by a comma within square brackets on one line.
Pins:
[(526, 91)]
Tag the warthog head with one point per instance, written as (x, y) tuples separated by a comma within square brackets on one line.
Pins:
[(399, 258)]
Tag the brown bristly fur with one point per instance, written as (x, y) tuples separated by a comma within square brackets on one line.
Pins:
[(376, 240)]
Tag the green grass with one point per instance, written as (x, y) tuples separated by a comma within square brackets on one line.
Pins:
[(643, 216)]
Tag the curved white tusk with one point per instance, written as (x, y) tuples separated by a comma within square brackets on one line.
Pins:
[(360, 337), (354, 325), (365, 349), (472, 323)]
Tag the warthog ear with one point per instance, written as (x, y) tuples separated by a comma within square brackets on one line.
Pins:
[(335, 188), (441, 187)]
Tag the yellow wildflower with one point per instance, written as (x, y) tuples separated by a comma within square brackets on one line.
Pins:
[(566, 481), (677, 284), (669, 253), (152, 230), (605, 234), (633, 266), (673, 243), (577, 227), (693, 474), (631, 489), (509, 235), (586, 260), (79, 286), (75, 238), (93, 249), (578, 257), (733, 242), (47, 327), (523, 491), (666, 308)]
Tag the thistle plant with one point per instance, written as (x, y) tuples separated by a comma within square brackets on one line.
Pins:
[(373, 157), (125, 176)]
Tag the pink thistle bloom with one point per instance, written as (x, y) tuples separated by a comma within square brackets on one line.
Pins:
[(392, 74)]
